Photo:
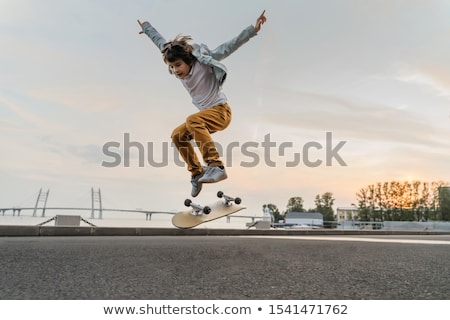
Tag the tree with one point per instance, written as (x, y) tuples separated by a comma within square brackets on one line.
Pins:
[(324, 205), (295, 204), (444, 202), (364, 212), (400, 201)]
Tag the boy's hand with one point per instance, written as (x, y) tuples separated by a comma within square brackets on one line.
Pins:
[(260, 21), (142, 26)]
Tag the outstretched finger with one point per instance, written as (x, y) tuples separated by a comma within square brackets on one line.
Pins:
[(262, 18), (262, 14), (140, 23)]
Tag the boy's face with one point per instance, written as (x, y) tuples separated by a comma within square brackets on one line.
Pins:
[(179, 68)]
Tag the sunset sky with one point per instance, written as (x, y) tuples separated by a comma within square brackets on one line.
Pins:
[(75, 75)]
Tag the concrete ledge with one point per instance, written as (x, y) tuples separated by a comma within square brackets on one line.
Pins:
[(19, 231), (64, 231), (34, 231), (111, 231)]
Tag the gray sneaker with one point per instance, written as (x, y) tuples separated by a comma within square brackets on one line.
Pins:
[(214, 174), (196, 184)]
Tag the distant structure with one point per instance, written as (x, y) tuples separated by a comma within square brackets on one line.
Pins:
[(96, 203), (267, 215), (347, 214), (96, 206), (96, 197), (312, 219), (42, 197)]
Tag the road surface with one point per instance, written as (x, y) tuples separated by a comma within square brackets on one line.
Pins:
[(226, 267)]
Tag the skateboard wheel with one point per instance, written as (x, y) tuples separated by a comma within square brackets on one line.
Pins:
[(187, 202), (206, 210), (237, 200), (220, 194)]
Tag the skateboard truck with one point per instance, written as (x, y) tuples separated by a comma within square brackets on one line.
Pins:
[(228, 199), (198, 209)]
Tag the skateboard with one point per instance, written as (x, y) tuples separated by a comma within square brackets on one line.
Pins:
[(197, 214)]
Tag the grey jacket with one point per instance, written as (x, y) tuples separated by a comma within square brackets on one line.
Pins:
[(205, 55)]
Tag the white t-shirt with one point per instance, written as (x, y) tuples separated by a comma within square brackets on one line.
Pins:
[(203, 87)]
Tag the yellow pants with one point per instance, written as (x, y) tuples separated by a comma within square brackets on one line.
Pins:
[(199, 127)]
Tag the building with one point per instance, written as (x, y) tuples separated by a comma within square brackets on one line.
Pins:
[(346, 214), (312, 219)]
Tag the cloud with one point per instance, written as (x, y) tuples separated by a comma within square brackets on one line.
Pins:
[(354, 118), (22, 113), (431, 78)]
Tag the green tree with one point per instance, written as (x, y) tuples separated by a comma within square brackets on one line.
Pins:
[(324, 205), (444, 203), (363, 212), (400, 201), (295, 204)]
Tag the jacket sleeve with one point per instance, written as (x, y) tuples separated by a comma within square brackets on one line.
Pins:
[(227, 48), (154, 35)]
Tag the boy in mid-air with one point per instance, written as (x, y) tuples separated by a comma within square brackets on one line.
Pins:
[(201, 73)]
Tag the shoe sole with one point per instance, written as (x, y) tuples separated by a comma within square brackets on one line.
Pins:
[(214, 180)]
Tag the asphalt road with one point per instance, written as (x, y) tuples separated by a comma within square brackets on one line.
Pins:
[(217, 267)]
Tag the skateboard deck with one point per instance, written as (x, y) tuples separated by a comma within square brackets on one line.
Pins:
[(191, 217)]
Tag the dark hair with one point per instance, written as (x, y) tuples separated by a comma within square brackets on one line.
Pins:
[(178, 48)]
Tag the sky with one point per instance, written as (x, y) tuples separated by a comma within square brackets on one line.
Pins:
[(349, 93)]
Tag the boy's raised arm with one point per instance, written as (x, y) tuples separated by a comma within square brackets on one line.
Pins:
[(152, 33), (227, 48)]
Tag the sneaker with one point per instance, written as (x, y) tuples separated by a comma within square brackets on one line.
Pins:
[(196, 184), (214, 174)]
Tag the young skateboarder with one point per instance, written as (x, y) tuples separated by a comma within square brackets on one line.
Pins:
[(202, 74)]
